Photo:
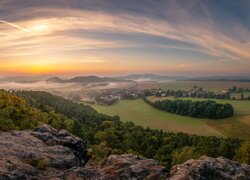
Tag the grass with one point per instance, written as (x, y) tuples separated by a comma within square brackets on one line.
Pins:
[(237, 126), (142, 114)]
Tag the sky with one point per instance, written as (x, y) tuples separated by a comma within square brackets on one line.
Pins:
[(174, 37)]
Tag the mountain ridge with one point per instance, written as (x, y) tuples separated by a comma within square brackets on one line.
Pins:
[(85, 79)]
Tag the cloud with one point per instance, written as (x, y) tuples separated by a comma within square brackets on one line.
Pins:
[(15, 26), (68, 28)]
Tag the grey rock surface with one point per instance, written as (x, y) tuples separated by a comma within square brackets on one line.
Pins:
[(25, 154), (129, 166), (46, 153), (210, 168)]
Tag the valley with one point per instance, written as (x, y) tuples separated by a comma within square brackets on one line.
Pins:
[(125, 99)]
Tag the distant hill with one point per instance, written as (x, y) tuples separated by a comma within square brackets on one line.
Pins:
[(55, 80), (149, 77), (219, 78), (84, 79)]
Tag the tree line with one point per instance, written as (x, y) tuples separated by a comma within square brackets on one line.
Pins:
[(195, 93), (198, 92), (199, 109), (236, 89)]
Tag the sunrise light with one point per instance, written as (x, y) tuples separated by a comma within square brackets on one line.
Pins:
[(39, 28)]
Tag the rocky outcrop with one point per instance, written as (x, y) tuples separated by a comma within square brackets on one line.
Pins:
[(26, 155), (46, 153), (210, 168), (121, 167), (51, 137), (128, 166)]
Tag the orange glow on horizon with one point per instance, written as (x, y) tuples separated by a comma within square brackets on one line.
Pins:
[(62, 67)]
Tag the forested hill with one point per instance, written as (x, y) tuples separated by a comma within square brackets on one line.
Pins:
[(81, 112), (108, 135), (85, 79)]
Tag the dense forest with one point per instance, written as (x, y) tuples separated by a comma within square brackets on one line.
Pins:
[(200, 109), (108, 135)]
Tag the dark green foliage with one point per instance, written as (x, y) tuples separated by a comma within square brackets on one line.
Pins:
[(243, 153), (200, 109), (14, 114), (84, 113), (185, 154)]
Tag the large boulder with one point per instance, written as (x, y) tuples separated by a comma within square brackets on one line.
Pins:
[(129, 166), (121, 167), (44, 152), (210, 168), (52, 137)]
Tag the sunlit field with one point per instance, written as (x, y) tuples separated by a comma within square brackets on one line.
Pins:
[(237, 126), (142, 114)]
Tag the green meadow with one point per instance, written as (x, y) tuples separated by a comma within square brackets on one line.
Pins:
[(237, 126), (142, 114)]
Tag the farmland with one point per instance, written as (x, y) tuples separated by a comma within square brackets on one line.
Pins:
[(237, 126), (144, 115)]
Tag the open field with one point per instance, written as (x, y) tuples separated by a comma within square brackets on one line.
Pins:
[(142, 114), (207, 85), (237, 126)]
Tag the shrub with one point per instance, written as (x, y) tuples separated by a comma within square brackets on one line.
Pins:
[(42, 163)]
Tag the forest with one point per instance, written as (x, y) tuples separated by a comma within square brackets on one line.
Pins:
[(199, 109), (107, 135)]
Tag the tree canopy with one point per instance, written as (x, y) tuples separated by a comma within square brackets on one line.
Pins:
[(200, 109)]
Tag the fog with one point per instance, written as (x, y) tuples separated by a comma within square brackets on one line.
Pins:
[(68, 90), (40, 86)]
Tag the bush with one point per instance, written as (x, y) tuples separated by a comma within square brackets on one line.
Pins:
[(243, 153), (43, 163), (179, 157), (100, 152)]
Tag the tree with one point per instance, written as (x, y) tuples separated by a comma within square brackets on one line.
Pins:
[(200, 109), (100, 152), (185, 154), (243, 153), (242, 96)]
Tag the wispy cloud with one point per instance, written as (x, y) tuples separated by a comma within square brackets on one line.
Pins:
[(15, 26), (57, 30)]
